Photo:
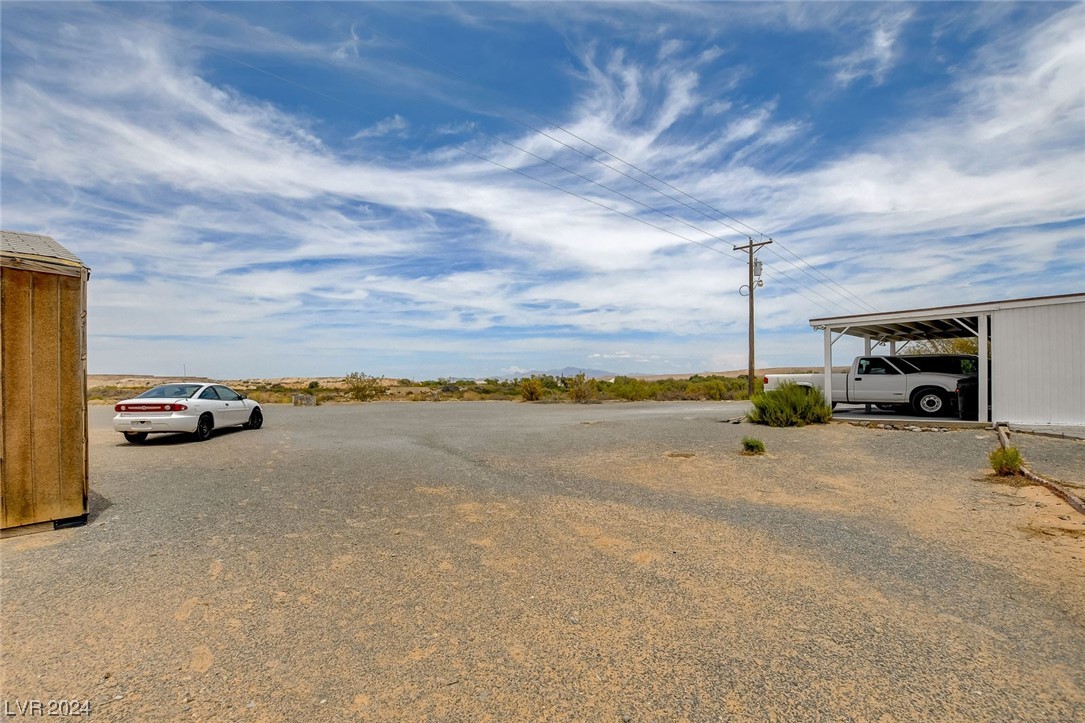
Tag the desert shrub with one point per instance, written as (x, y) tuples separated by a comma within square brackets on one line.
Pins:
[(668, 393), (532, 390), (267, 397), (1006, 462), (581, 389), (549, 381), (715, 390), (111, 393), (363, 387), (628, 388), (790, 406), (752, 445), (314, 384)]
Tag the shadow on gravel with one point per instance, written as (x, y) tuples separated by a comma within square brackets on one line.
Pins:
[(171, 439), (98, 504)]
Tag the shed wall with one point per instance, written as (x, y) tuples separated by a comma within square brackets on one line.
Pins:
[(1036, 360), (43, 449)]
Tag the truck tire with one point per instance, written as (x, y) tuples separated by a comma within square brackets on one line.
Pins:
[(930, 402)]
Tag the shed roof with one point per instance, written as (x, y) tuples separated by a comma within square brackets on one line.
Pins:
[(35, 246), (936, 322)]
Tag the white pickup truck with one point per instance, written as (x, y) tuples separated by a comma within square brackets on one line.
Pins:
[(925, 382)]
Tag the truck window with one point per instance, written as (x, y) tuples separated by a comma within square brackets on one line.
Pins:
[(876, 365), (906, 366)]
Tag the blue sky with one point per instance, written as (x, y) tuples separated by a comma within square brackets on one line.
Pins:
[(430, 189)]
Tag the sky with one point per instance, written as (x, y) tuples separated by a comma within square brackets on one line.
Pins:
[(432, 190)]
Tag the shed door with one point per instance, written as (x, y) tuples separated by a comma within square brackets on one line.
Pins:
[(43, 403)]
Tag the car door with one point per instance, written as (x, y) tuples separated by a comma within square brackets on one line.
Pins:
[(210, 402), (877, 380), (233, 404)]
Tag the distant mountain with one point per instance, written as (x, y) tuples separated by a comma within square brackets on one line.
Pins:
[(572, 372)]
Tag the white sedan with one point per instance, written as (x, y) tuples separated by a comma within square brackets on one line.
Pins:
[(185, 407)]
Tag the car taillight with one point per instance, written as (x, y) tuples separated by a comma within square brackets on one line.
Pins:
[(765, 380), (150, 407)]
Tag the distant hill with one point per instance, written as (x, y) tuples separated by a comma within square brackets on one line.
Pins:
[(572, 372)]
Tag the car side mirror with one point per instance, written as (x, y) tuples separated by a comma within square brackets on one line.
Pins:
[(242, 396)]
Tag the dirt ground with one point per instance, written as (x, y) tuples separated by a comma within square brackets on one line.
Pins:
[(986, 526), (502, 561)]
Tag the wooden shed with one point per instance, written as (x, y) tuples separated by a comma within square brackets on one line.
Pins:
[(43, 385)]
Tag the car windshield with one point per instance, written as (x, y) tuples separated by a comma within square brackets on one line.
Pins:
[(170, 391)]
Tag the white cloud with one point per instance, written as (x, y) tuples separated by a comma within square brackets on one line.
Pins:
[(244, 215), (877, 56), (453, 129), (393, 126)]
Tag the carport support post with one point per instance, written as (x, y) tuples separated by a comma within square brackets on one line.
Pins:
[(866, 352), (981, 357), (829, 366)]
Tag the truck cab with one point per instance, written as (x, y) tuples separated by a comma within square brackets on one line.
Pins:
[(877, 379)]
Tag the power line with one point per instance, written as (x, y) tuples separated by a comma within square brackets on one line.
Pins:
[(321, 59), (846, 292), (791, 282), (627, 215)]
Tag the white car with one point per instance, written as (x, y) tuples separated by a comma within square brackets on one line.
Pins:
[(195, 408)]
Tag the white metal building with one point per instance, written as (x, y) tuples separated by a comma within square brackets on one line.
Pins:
[(1037, 345)]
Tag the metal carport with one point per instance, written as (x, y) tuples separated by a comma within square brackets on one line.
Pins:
[(1036, 350)]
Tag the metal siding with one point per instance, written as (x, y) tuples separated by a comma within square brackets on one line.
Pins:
[(1037, 357)]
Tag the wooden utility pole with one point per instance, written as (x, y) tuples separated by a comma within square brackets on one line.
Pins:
[(750, 248)]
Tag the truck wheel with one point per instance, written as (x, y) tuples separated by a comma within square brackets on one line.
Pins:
[(930, 402)]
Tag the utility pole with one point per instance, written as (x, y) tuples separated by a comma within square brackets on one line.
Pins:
[(750, 248)]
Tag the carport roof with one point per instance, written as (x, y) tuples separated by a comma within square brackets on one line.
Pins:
[(936, 322)]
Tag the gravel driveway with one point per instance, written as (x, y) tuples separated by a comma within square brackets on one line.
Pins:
[(504, 561)]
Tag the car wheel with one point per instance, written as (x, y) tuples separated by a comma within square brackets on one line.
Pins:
[(929, 403), (256, 419), (204, 427), (135, 437)]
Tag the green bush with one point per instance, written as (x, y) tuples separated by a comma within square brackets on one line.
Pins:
[(695, 388), (314, 384), (790, 406), (581, 389), (363, 387), (751, 445), (531, 390), (1006, 462), (627, 388)]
